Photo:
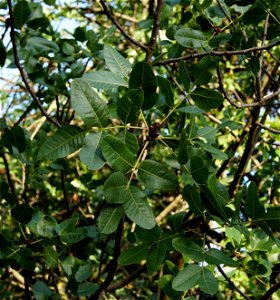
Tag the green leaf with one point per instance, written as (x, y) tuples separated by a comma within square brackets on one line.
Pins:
[(217, 257), (22, 213), (189, 248), (253, 208), (191, 195), (84, 271), (45, 227), (206, 99), (165, 88), (184, 76), (165, 283), (115, 61), (219, 39), (175, 221), (187, 278), (191, 109), (142, 77), (14, 137), (104, 80), (87, 103), (21, 13), (182, 151), (203, 71), (191, 129), (90, 153), (138, 209), (66, 140), (148, 235), (115, 188), (216, 153), (41, 291), (36, 45), (207, 132), (68, 265), (154, 175), (208, 283), (109, 219), (118, 154), (86, 289), (131, 141), (133, 255), (272, 217), (190, 38), (67, 225), (156, 257), (73, 236), (199, 170), (215, 205), (51, 257), (129, 105)]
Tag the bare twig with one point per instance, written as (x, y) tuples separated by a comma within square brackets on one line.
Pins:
[(118, 25), (62, 178), (155, 31), (8, 174), (22, 72), (268, 128), (173, 205), (218, 53)]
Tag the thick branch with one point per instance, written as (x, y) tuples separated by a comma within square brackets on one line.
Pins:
[(118, 25), (218, 53), (22, 72), (155, 31), (271, 291)]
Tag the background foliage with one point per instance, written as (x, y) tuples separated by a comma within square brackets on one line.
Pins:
[(140, 149)]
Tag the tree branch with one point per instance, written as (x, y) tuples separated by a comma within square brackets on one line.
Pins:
[(118, 25), (271, 291), (155, 31), (268, 128), (218, 53), (22, 72)]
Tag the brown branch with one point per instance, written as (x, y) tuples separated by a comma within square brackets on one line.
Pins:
[(155, 31), (118, 25), (22, 72), (218, 53), (271, 291), (268, 128), (121, 283)]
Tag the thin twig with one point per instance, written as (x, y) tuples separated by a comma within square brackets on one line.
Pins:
[(22, 72), (62, 178), (155, 31), (118, 25), (268, 128), (218, 53)]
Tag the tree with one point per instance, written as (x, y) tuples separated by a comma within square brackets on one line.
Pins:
[(140, 149)]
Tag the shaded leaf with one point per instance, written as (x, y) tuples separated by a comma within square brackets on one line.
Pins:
[(51, 257), (109, 219), (90, 153), (156, 257), (129, 105), (67, 225), (187, 278), (22, 213), (21, 13), (115, 61), (154, 175), (165, 283), (208, 283), (216, 153), (73, 236), (115, 188), (272, 217), (118, 154), (45, 227), (207, 99), (65, 141), (83, 272), (219, 39), (192, 196), (165, 88), (87, 103), (189, 248), (203, 71), (184, 75), (104, 80), (217, 257), (86, 289), (138, 209), (41, 291), (199, 170), (182, 151), (37, 45), (253, 207), (190, 38), (133, 255), (191, 109)]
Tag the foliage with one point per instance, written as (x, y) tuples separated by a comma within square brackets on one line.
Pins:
[(140, 149)]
